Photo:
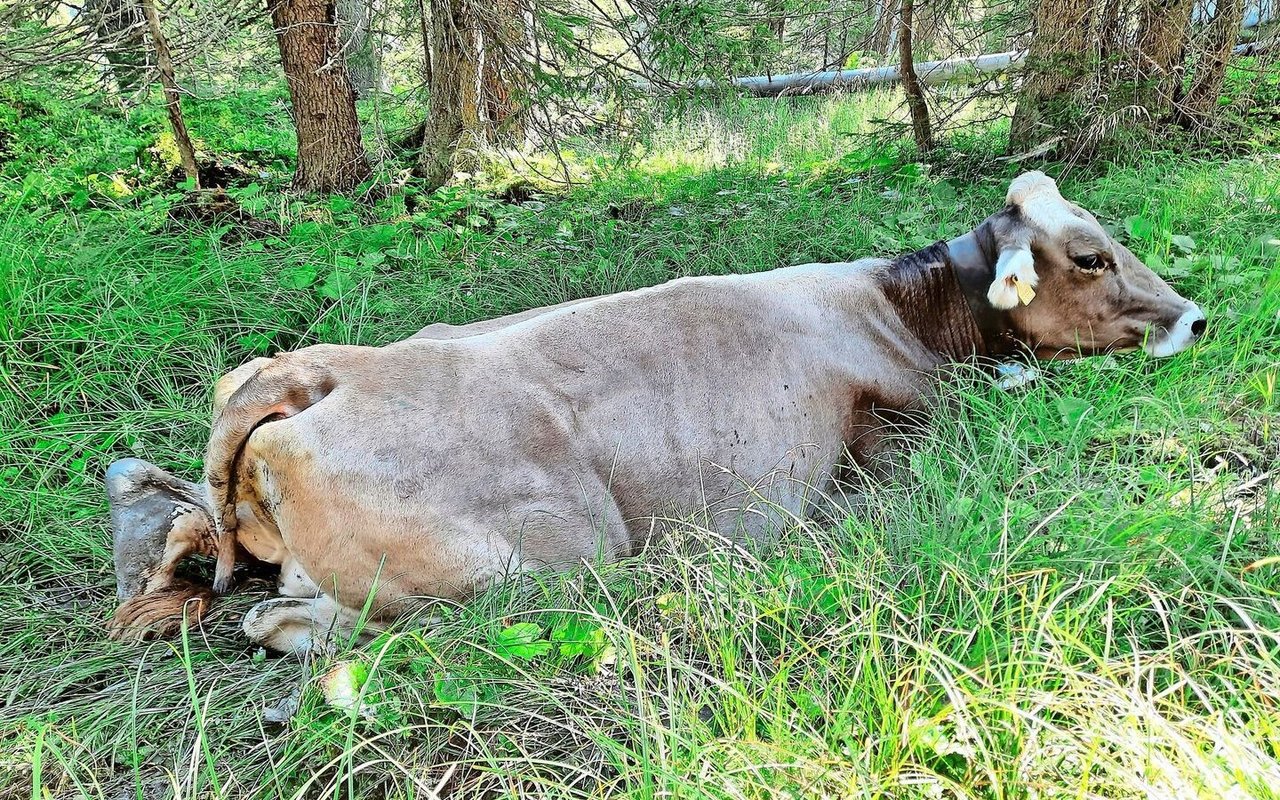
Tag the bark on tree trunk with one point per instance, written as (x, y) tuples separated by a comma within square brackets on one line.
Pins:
[(120, 27), (1060, 59), (173, 101), (1111, 30), (502, 81), (475, 82), (331, 156), (424, 20), (911, 85), (444, 120), (1163, 27), (1201, 100), (471, 67), (356, 19)]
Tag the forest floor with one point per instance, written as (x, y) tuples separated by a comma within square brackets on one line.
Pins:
[(1071, 592)]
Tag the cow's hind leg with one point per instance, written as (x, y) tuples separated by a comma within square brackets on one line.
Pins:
[(157, 519), (303, 624)]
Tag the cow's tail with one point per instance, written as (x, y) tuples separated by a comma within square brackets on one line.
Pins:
[(288, 385)]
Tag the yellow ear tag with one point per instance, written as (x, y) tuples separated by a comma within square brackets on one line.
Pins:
[(1025, 293)]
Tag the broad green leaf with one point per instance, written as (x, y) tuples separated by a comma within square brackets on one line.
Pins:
[(255, 342), (336, 285), (1073, 410), (298, 277), (578, 636), (521, 641), (1139, 227), (460, 693)]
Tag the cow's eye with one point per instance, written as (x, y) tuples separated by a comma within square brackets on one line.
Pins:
[(1089, 262)]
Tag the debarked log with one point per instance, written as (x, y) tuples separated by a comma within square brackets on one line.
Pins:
[(929, 72)]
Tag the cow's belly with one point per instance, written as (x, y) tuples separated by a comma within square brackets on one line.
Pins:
[(383, 513), (421, 513), (737, 479)]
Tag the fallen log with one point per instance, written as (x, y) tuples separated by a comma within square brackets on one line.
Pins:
[(929, 72), (1255, 48)]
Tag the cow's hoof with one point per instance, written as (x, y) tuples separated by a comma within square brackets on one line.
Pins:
[(285, 625), (301, 625), (156, 520), (160, 614)]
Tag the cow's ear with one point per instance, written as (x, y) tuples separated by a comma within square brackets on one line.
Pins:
[(1015, 276)]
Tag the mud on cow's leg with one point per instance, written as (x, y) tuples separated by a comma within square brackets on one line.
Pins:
[(301, 625)]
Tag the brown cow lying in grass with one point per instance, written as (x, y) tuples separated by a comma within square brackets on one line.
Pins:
[(432, 467)]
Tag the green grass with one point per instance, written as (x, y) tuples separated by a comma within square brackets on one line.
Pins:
[(1063, 594)]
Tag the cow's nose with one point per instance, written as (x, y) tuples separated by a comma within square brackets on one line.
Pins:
[(1178, 336)]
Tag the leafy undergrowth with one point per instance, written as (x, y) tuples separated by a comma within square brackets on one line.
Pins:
[(1066, 591)]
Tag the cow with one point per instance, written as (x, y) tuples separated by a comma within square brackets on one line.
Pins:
[(380, 478)]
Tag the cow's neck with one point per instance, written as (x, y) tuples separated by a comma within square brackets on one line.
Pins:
[(929, 294), (973, 258)]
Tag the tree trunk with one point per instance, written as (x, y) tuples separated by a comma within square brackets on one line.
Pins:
[(476, 82), (331, 156), (1163, 28), (1197, 106), (882, 35), (164, 62), (471, 67), (1059, 61), (1111, 30), (444, 120), (502, 79), (120, 27), (356, 19), (911, 85)]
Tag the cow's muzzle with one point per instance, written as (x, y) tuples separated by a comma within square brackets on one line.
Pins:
[(1179, 336)]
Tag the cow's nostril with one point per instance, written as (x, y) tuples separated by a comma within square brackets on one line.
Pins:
[(1198, 327)]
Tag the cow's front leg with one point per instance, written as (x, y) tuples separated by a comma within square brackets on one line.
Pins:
[(300, 625)]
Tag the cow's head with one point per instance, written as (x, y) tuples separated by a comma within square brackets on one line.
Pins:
[(1062, 286)]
